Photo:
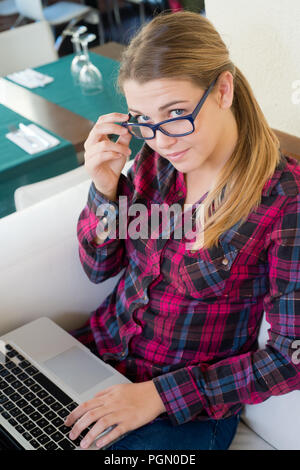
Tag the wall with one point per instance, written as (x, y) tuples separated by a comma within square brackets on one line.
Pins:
[(264, 42)]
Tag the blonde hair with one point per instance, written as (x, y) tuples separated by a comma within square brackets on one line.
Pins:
[(185, 45)]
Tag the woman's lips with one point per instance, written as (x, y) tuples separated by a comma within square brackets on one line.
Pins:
[(177, 155)]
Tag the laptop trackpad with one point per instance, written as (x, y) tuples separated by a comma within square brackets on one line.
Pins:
[(78, 369)]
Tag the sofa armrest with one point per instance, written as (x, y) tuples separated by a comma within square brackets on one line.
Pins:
[(40, 271)]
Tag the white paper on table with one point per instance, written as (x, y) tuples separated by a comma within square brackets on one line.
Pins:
[(18, 138), (30, 78)]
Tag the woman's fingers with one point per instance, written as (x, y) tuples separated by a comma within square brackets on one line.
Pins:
[(85, 415), (124, 139), (102, 423), (110, 437), (79, 411), (116, 410), (105, 159), (106, 125), (105, 147)]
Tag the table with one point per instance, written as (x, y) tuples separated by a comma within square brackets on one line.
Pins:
[(69, 125), (63, 111), (63, 92), (18, 168), (54, 118)]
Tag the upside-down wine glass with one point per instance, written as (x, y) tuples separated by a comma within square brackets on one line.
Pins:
[(90, 77), (80, 58)]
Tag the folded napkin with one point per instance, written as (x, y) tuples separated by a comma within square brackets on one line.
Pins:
[(30, 78), (34, 142)]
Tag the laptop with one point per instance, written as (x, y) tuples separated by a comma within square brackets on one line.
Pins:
[(44, 374)]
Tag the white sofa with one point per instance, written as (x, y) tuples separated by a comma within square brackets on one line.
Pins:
[(41, 275)]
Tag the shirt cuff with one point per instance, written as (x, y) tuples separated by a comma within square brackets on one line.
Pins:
[(105, 214), (180, 395), (95, 199)]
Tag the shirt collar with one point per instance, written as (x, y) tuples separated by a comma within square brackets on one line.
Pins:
[(169, 177), (171, 182), (172, 188)]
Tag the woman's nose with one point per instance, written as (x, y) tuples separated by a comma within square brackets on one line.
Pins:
[(164, 141)]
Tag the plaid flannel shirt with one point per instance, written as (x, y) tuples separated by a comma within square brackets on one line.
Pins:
[(190, 320)]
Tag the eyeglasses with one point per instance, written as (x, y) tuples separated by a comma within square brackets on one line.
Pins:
[(176, 127)]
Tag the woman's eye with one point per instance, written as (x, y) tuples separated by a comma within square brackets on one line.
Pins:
[(142, 119), (177, 112)]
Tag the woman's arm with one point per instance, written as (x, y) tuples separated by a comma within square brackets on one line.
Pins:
[(252, 377), (107, 258)]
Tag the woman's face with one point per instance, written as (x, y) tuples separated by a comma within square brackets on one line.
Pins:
[(215, 129)]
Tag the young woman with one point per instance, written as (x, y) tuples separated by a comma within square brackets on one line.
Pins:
[(182, 323)]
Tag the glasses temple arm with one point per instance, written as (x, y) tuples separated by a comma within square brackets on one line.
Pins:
[(198, 107)]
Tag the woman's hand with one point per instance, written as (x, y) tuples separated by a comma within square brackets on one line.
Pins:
[(125, 406), (104, 159)]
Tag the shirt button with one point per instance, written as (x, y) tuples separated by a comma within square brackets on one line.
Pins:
[(123, 354), (225, 261), (180, 193)]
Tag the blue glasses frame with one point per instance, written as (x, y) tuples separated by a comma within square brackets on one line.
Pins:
[(190, 117)]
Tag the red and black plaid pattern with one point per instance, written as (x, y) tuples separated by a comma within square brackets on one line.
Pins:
[(190, 320)]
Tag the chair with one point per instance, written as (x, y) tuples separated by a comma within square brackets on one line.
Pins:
[(19, 47), (59, 13), (141, 5)]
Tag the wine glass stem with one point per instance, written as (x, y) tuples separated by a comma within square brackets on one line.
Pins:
[(86, 51), (77, 47)]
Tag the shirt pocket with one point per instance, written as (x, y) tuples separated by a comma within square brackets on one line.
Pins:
[(205, 275)]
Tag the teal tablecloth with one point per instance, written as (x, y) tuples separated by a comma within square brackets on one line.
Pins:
[(18, 168), (65, 93)]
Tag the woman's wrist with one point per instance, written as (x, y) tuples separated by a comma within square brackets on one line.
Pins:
[(111, 195), (157, 399)]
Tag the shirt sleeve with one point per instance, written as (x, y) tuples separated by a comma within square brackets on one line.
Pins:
[(255, 376), (101, 261)]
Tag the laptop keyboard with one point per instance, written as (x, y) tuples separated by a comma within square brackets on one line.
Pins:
[(33, 404)]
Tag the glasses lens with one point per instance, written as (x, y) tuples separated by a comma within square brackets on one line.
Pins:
[(178, 127), (141, 132)]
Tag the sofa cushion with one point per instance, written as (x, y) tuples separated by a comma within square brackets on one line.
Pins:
[(276, 419), (246, 439), (40, 270), (30, 194)]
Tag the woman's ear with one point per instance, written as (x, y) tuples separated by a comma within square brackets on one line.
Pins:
[(225, 90)]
